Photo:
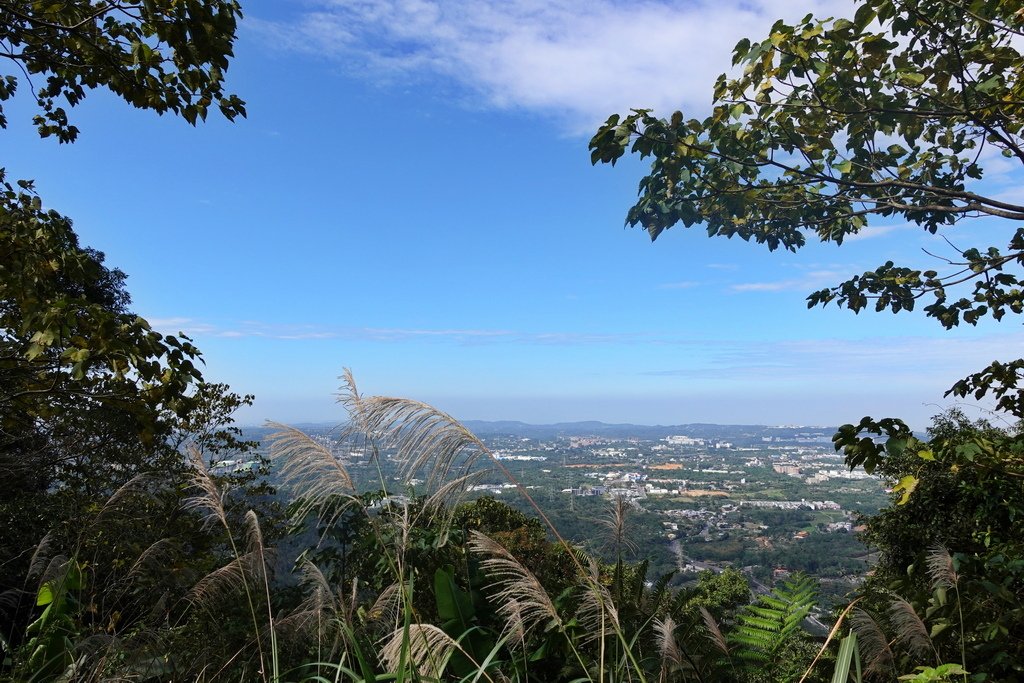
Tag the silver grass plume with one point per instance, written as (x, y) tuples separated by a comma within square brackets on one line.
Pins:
[(321, 612), (427, 647), (40, 556), (514, 629), (428, 442), (522, 600), (615, 523), (714, 632), (443, 501), (56, 569), (664, 630), (311, 468), (940, 567), (910, 629), (596, 610), (158, 554), (208, 498), (872, 643), (227, 580), (350, 397), (136, 486), (387, 608)]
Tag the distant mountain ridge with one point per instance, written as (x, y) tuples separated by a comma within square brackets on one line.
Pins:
[(623, 430)]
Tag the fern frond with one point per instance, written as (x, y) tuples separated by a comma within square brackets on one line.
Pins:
[(764, 627)]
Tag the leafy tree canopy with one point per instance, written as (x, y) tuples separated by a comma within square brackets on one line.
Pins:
[(829, 124), (164, 55)]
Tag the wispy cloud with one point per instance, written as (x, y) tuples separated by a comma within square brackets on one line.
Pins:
[(685, 284), (872, 231), (581, 59), (811, 280), (250, 328), (899, 360)]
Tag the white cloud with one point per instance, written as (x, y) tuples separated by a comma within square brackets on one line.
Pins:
[(928, 362), (872, 231), (579, 60), (253, 328), (813, 279)]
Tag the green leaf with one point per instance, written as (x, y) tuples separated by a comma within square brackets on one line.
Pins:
[(907, 485)]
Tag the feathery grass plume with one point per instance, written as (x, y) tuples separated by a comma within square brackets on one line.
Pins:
[(426, 646), (519, 594), (226, 581), (714, 632), (596, 611), (875, 652), (56, 569), (447, 497), (665, 631), (40, 556), (429, 443), (615, 523), (387, 608), (514, 631), (209, 499), (910, 629), (312, 469), (10, 599), (322, 615), (319, 610), (350, 397), (254, 544), (137, 485), (157, 554), (940, 567), (253, 533)]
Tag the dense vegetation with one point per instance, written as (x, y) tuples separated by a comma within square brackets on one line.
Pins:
[(129, 554)]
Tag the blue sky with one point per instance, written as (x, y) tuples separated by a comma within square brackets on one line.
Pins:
[(411, 196)]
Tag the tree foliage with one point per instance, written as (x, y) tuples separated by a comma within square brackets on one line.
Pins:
[(827, 125), (164, 55), (94, 404)]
